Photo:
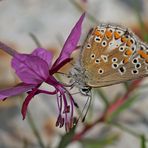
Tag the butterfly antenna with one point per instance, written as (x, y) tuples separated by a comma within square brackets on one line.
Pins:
[(81, 112), (89, 98)]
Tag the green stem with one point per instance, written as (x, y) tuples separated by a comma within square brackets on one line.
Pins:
[(103, 97), (35, 39), (143, 141), (35, 130), (25, 143), (81, 9)]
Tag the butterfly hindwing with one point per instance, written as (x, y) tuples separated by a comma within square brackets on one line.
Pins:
[(113, 54)]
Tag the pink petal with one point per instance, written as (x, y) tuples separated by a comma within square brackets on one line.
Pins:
[(44, 55), (71, 42), (15, 90), (30, 69), (27, 101)]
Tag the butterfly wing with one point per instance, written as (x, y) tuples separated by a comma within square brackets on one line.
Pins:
[(113, 54)]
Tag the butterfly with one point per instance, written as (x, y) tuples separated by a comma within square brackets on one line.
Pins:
[(111, 54)]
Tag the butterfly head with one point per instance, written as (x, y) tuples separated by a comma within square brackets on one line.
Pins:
[(85, 90), (79, 79)]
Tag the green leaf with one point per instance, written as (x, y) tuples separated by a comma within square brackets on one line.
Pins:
[(99, 143), (143, 142), (122, 108), (35, 130), (67, 138)]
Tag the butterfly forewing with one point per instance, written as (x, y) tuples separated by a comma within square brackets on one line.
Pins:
[(113, 54)]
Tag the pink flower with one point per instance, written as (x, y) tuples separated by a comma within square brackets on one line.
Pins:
[(35, 68)]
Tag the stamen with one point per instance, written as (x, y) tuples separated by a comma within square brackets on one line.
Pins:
[(67, 109)]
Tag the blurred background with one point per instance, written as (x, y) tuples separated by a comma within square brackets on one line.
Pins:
[(51, 21)]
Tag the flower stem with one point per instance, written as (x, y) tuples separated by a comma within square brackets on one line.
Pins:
[(81, 9), (103, 97), (35, 131)]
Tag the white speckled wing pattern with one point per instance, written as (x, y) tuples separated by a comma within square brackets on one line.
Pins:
[(113, 54)]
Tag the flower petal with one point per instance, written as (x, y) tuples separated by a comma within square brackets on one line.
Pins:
[(71, 42), (30, 69), (15, 90), (43, 54)]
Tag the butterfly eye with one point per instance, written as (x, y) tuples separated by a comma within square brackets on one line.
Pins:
[(120, 32), (97, 39), (85, 90), (88, 46), (100, 71), (121, 48), (97, 61), (104, 58), (138, 65), (111, 30), (133, 48), (115, 65), (132, 40), (142, 47), (122, 70), (135, 61), (114, 59), (102, 30), (104, 43), (92, 56), (135, 71)]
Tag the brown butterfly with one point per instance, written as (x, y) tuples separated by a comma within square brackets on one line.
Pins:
[(111, 54)]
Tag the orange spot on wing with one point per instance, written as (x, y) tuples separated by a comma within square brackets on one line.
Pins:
[(128, 52), (123, 39), (129, 43), (116, 35), (97, 33), (126, 60), (146, 61), (108, 34), (142, 54)]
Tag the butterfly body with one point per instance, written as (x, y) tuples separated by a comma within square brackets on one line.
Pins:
[(111, 54)]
